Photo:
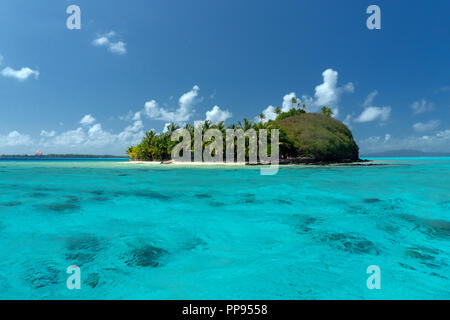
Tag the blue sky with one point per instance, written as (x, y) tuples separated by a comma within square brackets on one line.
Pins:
[(137, 65)]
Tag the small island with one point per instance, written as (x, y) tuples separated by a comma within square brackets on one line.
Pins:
[(304, 138)]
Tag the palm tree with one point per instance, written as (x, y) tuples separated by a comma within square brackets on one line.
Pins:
[(293, 102), (327, 111), (278, 110), (206, 126), (261, 117), (221, 126), (171, 128)]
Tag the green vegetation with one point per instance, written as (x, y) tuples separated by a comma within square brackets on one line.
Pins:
[(320, 137), (310, 136), (327, 111), (158, 147)]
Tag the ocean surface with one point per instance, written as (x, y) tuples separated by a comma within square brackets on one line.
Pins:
[(160, 232)]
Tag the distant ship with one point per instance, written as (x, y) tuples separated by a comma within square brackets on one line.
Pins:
[(39, 153)]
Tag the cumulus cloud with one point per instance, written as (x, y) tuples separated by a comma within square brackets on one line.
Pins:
[(21, 75), (183, 113), (217, 115), (92, 138), (328, 93), (113, 46), (87, 138), (15, 138), (269, 114), (372, 113), (439, 142), (422, 106), (48, 134), (118, 47), (370, 98), (87, 120), (426, 126)]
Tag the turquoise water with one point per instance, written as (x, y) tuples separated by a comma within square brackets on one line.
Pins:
[(159, 232)]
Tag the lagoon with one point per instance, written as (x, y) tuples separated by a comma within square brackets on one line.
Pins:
[(159, 232)]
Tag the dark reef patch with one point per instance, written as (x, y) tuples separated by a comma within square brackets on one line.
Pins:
[(282, 201), (37, 195), (425, 256), (302, 223), (82, 249), (100, 199), (438, 228), (67, 206), (372, 200), (434, 274), (351, 243), (430, 227), (45, 189), (92, 280), (96, 192), (194, 244), (203, 196), (70, 204), (247, 198), (11, 204), (406, 266), (145, 256), (216, 204), (43, 275), (152, 195), (388, 227)]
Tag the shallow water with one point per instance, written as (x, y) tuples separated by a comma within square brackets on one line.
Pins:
[(157, 232)]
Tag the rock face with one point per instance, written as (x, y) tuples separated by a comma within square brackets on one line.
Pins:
[(320, 137)]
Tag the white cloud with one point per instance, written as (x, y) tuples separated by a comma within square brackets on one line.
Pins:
[(287, 102), (183, 113), (48, 134), (426, 126), (113, 46), (87, 120), (92, 138), (326, 94), (165, 129), (439, 142), (67, 139), (348, 120), (374, 113), (21, 75), (88, 138), (217, 115), (132, 133), (369, 99), (15, 138), (118, 47), (422, 106), (269, 114)]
